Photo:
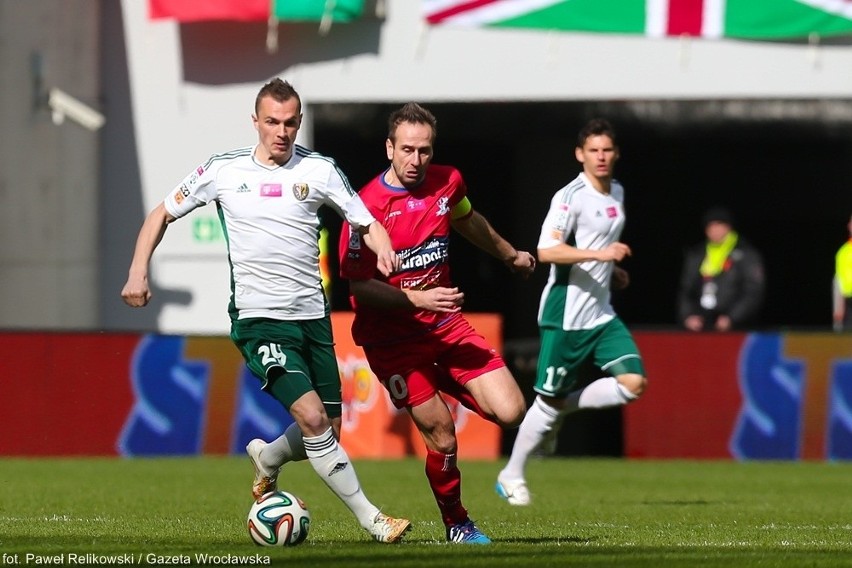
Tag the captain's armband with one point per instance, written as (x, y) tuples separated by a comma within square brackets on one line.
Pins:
[(461, 209)]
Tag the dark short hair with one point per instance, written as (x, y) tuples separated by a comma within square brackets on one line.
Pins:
[(279, 90), (596, 127), (413, 113), (719, 215)]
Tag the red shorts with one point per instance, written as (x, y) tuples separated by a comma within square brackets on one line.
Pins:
[(443, 360)]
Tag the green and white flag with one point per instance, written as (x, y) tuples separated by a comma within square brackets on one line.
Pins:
[(744, 19)]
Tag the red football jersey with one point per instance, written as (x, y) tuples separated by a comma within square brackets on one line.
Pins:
[(418, 222)]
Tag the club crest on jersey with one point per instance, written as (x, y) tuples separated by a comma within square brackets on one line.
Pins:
[(561, 220), (443, 206), (300, 191), (611, 212), (181, 192), (354, 239)]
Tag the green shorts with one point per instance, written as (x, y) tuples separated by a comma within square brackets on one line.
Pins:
[(291, 358), (569, 358)]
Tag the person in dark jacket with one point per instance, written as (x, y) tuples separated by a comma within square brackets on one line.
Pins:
[(722, 283)]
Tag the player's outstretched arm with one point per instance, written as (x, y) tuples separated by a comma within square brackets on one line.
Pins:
[(136, 292), (479, 231)]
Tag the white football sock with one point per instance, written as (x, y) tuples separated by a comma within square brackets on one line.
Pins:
[(602, 393), (331, 463), (286, 448), (539, 420)]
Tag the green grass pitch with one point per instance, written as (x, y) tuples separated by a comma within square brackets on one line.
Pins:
[(586, 512)]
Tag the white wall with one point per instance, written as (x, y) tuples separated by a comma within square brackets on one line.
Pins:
[(48, 172), (178, 123)]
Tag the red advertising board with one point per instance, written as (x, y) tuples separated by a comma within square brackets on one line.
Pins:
[(64, 394), (710, 396), (772, 396), (88, 394), (692, 399)]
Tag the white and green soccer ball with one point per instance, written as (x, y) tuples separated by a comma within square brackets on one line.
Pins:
[(279, 518)]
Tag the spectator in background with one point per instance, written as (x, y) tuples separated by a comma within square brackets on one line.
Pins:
[(722, 283), (842, 296)]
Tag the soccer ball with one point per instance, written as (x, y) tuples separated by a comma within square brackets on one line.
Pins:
[(279, 518)]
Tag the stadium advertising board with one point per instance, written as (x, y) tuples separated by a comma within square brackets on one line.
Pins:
[(148, 395), (779, 396)]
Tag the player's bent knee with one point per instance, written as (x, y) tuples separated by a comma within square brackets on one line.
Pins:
[(511, 415), (634, 383), (444, 441), (449, 447), (514, 423), (312, 421)]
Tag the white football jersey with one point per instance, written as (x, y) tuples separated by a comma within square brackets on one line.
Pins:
[(577, 296), (269, 216)]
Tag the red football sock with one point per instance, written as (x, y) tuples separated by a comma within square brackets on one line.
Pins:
[(445, 480)]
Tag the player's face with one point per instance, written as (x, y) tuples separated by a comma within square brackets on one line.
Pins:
[(277, 124), (598, 156), (411, 154)]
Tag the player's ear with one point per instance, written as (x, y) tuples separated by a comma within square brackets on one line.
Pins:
[(578, 153), (389, 148)]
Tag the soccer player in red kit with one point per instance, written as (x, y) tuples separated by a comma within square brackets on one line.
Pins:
[(410, 323)]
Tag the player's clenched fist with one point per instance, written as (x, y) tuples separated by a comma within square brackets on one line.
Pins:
[(136, 292), (523, 264)]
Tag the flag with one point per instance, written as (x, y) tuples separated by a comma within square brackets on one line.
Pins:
[(743, 19), (255, 10)]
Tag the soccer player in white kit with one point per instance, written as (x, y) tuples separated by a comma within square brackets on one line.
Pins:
[(577, 324), (268, 199)]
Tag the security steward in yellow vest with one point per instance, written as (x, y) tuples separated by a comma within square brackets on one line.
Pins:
[(843, 285), (722, 283)]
